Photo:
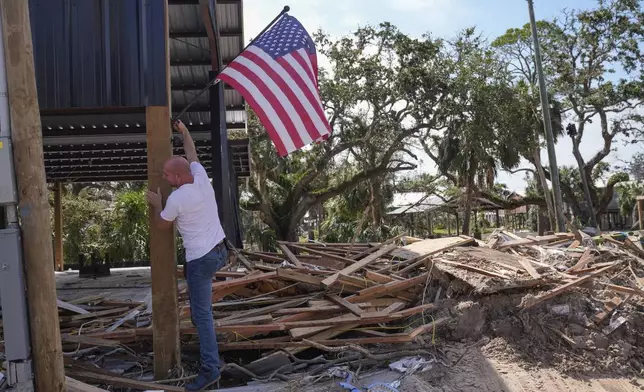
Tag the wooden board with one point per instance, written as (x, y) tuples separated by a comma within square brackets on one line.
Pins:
[(609, 307), (74, 385), (291, 257), (353, 308), (430, 246), (359, 265), (71, 307), (567, 286)]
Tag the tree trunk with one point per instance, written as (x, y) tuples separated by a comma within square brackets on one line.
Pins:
[(467, 208), (376, 201), (544, 187), (584, 184)]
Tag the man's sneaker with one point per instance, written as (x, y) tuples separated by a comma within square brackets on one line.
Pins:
[(203, 381)]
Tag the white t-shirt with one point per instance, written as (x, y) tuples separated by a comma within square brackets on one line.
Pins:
[(194, 208)]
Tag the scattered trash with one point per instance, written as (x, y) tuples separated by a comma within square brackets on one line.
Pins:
[(561, 310), (411, 365)]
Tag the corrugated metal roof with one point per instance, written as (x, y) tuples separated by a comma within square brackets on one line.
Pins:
[(85, 59)]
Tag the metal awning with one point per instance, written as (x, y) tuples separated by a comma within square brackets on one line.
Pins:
[(90, 140)]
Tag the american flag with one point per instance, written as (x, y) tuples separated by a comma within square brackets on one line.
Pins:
[(277, 75)]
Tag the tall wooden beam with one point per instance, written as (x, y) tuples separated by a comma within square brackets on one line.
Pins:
[(640, 211), (165, 312), (33, 201), (58, 227)]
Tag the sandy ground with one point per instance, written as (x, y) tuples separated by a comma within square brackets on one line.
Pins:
[(474, 373)]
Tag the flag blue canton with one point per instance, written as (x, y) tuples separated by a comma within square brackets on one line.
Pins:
[(286, 36)]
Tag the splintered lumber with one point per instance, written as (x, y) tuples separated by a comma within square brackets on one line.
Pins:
[(353, 308), (423, 329), (74, 385), (330, 255), (625, 290), (377, 247), (583, 261), (122, 381), (430, 247), (94, 315), (377, 277), (547, 239), (300, 345), (358, 265), (289, 274), (609, 307), (243, 281), (387, 289), (291, 257), (266, 309), (562, 289), (88, 340), (472, 269), (71, 307)]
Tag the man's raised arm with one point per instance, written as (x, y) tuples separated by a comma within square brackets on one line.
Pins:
[(188, 143)]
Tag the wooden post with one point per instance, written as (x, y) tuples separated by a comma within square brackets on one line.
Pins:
[(640, 210), (33, 200), (165, 312), (58, 226)]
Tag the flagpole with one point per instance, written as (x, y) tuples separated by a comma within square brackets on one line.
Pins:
[(215, 80)]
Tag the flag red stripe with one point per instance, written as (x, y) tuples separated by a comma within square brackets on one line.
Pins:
[(309, 126), (314, 62), (270, 128), (307, 68), (312, 96), (272, 99)]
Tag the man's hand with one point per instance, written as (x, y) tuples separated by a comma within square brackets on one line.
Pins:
[(154, 198), (180, 127)]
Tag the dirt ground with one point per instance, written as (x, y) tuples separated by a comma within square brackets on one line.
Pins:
[(477, 372)]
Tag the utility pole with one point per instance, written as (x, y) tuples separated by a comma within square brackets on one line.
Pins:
[(26, 136), (547, 123)]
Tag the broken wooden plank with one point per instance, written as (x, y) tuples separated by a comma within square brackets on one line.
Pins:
[(291, 257), (74, 385), (609, 307), (299, 345), (625, 290), (377, 247), (583, 261), (329, 255), (562, 289), (122, 381), (86, 300), (378, 277), (359, 265), (289, 274), (266, 309), (88, 340), (353, 308), (254, 320), (70, 307), (429, 247), (472, 269), (423, 329), (94, 314), (243, 281), (387, 289)]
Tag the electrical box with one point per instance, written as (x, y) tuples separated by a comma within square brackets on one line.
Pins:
[(13, 296), (8, 192)]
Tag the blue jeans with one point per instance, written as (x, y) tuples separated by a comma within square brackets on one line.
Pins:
[(199, 274)]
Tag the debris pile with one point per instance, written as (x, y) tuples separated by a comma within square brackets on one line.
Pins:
[(565, 299)]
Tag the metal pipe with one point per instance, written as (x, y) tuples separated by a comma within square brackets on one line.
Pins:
[(547, 123)]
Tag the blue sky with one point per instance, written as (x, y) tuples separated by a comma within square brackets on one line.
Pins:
[(441, 18)]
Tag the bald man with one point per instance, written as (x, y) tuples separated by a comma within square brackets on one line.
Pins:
[(193, 207)]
